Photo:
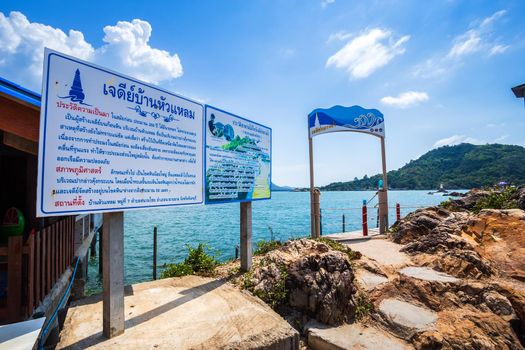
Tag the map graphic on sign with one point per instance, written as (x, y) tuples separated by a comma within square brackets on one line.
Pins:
[(238, 158), (109, 142)]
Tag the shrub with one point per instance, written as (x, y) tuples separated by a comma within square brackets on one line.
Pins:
[(264, 246), (352, 255), (197, 262), (497, 200), (274, 294), (363, 306)]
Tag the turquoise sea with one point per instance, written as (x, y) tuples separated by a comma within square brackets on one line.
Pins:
[(287, 215)]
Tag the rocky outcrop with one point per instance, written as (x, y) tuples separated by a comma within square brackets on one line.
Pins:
[(422, 222), (500, 238), (519, 196), (485, 308), (468, 201), (308, 277)]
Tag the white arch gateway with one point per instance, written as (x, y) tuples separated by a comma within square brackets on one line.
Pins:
[(340, 119)]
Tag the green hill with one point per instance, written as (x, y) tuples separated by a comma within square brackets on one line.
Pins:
[(463, 166)]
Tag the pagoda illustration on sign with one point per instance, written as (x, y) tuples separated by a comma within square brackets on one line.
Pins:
[(76, 94), (316, 123)]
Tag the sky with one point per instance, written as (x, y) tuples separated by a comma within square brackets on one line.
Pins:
[(439, 71)]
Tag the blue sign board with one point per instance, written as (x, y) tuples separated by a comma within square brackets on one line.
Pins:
[(339, 118), (238, 164)]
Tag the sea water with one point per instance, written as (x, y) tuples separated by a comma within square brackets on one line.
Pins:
[(285, 216)]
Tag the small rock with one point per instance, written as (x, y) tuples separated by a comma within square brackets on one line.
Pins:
[(498, 304)]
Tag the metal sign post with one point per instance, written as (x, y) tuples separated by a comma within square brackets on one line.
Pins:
[(383, 193), (315, 206), (246, 236), (113, 274)]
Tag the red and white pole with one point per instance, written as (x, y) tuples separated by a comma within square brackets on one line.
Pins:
[(365, 219), (398, 212)]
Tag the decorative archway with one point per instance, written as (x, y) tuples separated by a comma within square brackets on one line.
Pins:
[(349, 119)]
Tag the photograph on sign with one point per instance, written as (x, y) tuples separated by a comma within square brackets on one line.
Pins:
[(109, 142), (339, 118), (238, 158)]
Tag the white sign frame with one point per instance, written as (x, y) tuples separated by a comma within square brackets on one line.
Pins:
[(197, 111)]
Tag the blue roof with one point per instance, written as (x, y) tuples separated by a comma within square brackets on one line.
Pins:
[(11, 89)]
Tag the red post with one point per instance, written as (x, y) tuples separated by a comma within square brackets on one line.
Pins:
[(365, 220), (398, 212)]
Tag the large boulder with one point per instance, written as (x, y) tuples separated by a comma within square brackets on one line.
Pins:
[(322, 286), (308, 277), (423, 222), (469, 200)]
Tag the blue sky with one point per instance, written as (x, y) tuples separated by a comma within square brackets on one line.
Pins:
[(440, 71)]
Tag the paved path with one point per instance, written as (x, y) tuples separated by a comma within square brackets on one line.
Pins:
[(353, 336), (181, 313), (383, 251)]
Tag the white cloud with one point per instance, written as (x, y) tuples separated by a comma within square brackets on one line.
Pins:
[(478, 39), (125, 49), (456, 140), (465, 44), (22, 46), (405, 99), (497, 49), (367, 52), (501, 138), (325, 3), (339, 36), (491, 19)]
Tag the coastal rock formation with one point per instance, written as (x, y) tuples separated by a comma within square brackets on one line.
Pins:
[(500, 238), (485, 307), (309, 277), (469, 200), (422, 222)]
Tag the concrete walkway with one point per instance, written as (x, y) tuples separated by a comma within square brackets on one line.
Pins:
[(181, 313), (353, 336), (345, 237), (383, 251)]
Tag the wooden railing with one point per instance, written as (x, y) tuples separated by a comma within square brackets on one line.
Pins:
[(34, 267)]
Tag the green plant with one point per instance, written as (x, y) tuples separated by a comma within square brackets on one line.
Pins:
[(352, 255), (264, 247), (497, 200), (197, 262), (363, 306)]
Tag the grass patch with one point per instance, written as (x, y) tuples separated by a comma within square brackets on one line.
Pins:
[(363, 306), (198, 262), (352, 255), (273, 296)]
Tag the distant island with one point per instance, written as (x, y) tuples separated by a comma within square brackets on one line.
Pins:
[(281, 188), (463, 166)]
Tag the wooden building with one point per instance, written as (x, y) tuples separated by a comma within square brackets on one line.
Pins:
[(36, 266)]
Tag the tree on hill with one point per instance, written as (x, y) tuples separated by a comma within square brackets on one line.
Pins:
[(461, 166)]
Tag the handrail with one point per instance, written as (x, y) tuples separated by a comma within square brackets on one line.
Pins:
[(59, 306)]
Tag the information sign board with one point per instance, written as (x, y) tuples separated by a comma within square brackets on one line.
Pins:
[(237, 158), (109, 142)]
